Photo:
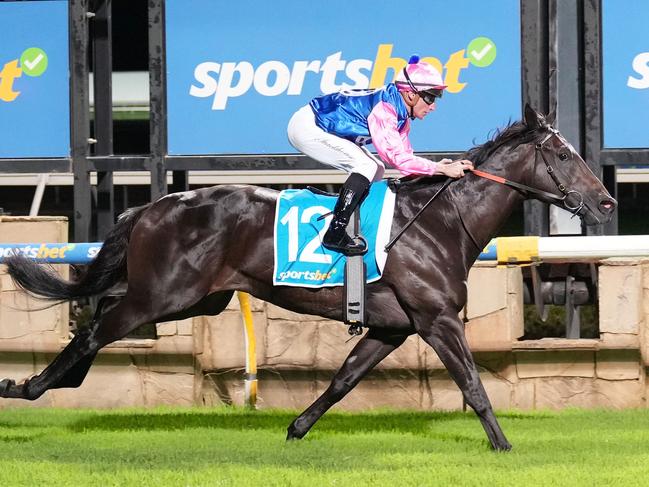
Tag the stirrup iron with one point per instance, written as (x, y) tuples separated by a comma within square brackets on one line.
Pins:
[(355, 330)]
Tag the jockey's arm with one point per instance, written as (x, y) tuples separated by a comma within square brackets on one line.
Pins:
[(394, 147)]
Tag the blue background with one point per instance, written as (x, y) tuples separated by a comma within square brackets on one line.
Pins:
[(626, 109), (37, 122), (288, 30)]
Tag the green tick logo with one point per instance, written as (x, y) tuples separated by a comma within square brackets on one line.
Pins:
[(33, 61), (481, 52)]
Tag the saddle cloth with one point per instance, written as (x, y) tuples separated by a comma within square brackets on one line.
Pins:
[(300, 258)]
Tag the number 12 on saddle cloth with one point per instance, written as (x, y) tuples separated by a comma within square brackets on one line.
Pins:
[(300, 258)]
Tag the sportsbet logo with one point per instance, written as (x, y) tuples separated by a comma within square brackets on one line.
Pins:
[(32, 62), (223, 81), (54, 252), (42, 251), (316, 276)]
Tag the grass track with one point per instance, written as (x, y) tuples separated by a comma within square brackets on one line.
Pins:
[(235, 447)]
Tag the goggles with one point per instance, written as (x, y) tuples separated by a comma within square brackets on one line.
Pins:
[(429, 95)]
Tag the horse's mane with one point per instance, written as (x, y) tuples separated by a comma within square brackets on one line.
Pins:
[(517, 132)]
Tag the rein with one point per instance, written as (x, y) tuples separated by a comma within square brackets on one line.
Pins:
[(513, 184), (391, 243)]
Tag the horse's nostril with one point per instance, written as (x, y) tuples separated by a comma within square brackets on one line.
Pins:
[(607, 205)]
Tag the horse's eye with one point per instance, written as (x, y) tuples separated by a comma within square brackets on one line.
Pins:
[(563, 156)]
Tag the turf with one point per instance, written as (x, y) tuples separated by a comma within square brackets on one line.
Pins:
[(237, 447)]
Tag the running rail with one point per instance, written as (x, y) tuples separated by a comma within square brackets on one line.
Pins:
[(547, 249), (502, 249)]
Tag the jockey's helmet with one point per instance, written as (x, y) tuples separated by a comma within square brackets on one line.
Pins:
[(421, 78)]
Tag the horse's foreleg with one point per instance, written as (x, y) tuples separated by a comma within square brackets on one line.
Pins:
[(447, 338), (369, 351)]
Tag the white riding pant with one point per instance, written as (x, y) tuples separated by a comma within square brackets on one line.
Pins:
[(308, 138)]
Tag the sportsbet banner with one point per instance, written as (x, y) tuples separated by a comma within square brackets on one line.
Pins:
[(55, 253), (625, 73), (238, 70), (34, 79)]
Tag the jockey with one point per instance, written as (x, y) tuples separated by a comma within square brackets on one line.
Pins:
[(333, 129)]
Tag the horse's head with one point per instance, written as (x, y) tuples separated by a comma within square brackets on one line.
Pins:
[(561, 171)]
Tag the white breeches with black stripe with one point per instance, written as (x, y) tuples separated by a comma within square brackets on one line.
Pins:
[(329, 149)]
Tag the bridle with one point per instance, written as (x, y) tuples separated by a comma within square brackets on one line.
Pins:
[(540, 148)]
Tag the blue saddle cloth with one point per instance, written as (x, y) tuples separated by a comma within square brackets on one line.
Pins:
[(300, 258)]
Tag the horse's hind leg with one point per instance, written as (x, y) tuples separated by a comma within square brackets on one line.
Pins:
[(77, 372), (369, 351), (447, 338), (70, 367), (75, 359)]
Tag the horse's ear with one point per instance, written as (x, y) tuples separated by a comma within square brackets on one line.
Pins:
[(533, 119), (552, 116)]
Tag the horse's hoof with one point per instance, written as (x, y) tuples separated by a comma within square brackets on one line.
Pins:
[(5, 385), (292, 437), (504, 447), (293, 434)]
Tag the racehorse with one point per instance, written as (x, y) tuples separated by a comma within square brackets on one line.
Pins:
[(185, 254)]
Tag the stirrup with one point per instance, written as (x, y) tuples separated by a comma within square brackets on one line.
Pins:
[(358, 239), (355, 330), (342, 245)]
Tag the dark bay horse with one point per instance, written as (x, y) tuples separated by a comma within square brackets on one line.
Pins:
[(186, 254)]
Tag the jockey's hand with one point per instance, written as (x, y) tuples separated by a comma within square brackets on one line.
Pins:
[(454, 169)]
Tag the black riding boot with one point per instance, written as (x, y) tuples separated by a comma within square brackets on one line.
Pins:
[(351, 195)]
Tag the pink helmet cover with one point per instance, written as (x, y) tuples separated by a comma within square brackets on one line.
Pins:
[(423, 76)]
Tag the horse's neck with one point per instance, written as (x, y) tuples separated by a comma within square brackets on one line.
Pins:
[(485, 205)]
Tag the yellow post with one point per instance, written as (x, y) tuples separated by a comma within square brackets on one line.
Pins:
[(251, 356)]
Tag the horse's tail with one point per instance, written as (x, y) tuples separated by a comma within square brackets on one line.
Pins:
[(107, 268)]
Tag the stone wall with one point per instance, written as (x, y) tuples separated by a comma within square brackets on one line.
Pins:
[(201, 360)]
